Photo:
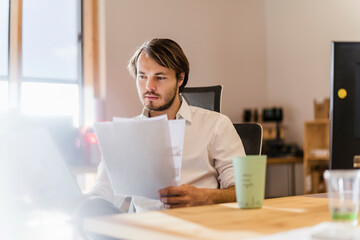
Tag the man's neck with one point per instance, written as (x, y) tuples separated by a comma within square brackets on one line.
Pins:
[(170, 112)]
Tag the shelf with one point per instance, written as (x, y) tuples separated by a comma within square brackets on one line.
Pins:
[(318, 158), (316, 139), (318, 121), (284, 160)]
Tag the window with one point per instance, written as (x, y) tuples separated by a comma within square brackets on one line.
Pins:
[(41, 60), (4, 54), (4, 95), (50, 99), (51, 58)]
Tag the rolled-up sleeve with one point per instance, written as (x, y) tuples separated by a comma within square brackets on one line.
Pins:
[(226, 144)]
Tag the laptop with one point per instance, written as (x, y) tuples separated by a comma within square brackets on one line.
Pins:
[(40, 175)]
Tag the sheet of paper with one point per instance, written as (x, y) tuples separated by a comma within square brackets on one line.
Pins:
[(138, 154), (177, 132)]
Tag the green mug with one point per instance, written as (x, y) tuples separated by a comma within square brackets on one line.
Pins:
[(249, 173)]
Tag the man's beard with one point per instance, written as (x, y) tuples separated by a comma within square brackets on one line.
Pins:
[(169, 100)]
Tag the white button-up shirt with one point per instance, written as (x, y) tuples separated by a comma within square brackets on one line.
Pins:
[(210, 142)]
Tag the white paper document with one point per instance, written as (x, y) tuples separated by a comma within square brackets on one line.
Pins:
[(142, 156), (177, 132)]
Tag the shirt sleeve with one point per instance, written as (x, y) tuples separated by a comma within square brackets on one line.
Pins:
[(102, 185), (226, 144)]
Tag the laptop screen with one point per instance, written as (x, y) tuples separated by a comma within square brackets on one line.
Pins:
[(40, 173)]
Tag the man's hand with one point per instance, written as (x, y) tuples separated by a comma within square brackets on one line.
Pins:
[(183, 196), (187, 196)]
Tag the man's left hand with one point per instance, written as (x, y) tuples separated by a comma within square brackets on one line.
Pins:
[(184, 196)]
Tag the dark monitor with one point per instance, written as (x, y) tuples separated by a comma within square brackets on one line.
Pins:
[(345, 106)]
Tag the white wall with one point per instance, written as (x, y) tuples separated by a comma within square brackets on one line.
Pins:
[(223, 40), (298, 38), (265, 52)]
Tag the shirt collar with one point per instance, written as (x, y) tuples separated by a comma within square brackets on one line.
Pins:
[(145, 113), (183, 113)]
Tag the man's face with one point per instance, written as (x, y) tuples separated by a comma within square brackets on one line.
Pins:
[(157, 85)]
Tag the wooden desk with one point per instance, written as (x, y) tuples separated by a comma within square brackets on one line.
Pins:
[(222, 221)]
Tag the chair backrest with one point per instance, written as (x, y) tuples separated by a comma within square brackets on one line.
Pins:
[(204, 97), (251, 136)]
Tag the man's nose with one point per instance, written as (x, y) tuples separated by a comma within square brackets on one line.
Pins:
[(151, 85)]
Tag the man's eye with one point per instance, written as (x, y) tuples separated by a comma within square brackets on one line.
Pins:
[(160, 78), (141, 77)]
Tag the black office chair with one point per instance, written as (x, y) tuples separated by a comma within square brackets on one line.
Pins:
[(251, 136), (204, 97)]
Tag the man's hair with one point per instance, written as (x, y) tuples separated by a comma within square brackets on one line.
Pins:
[(166, 53)]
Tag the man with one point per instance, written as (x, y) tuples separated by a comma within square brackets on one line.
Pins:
[(161, 70)]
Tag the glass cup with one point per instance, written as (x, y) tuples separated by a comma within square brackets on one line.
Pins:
[(343, 193), (249, 173)]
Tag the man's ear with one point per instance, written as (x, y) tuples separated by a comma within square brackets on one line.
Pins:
[(181, 79)]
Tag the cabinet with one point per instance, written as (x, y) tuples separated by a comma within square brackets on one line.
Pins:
[(282, 176), (316, 154)]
